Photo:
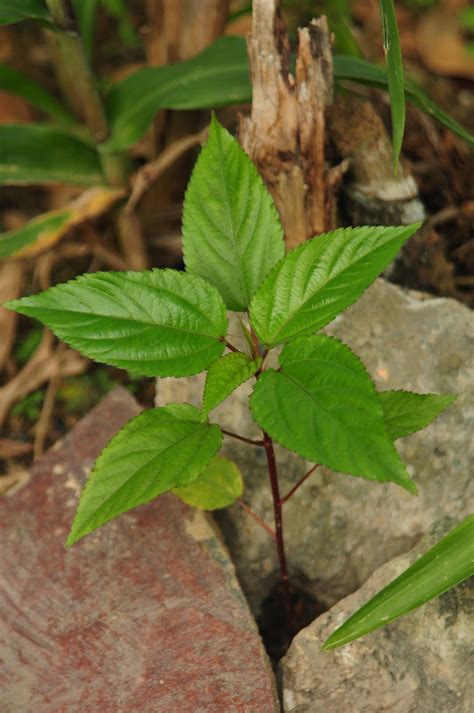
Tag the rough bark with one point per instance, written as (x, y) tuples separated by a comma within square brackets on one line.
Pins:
[(285, 133)]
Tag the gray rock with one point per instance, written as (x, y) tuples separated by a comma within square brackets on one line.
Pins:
[(339, 529), (421, 663)]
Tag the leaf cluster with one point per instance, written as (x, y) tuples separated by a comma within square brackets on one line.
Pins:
[(320, 402)]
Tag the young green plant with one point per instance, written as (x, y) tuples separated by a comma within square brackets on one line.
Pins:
[(320, 402)]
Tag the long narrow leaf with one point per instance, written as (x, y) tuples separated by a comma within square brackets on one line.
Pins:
[(355, 69), (86, 12), (14, 82), (393, 54), (448, 563), (216, 77), (47, 229), (33, 153), (219, 76), (12, 11)]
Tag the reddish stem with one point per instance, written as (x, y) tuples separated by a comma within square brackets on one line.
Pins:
[(279, 541), (257, 518), (242, 438), (230, 346), (256, 346), (295, 487)]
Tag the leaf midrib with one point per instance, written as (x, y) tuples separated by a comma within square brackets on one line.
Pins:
[(124, 319), (303, 306), (235, 245), (142, 467)]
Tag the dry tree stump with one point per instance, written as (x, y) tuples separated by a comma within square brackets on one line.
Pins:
[(285, 133)]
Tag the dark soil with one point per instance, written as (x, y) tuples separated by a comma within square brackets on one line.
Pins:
[(277, 634)]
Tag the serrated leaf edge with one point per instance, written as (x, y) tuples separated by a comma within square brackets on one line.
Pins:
[(410, 485), (72, 540), (300, 248)]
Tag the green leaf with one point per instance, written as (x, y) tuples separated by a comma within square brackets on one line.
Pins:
[(406, 412), (320, 278), (225, 375), (448, 563), (45, 230), (12, 11), (340, 23), (216, 77), (86, 13), (232, 236), (156, 451), (219, 76), (16, 240), (14, 82), (218, 486), (153, 323), (323, 405), (359, 70), (393, 54), (33, 153)]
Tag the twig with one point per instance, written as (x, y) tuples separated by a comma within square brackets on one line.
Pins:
[(297, 485), (8, 482), (44, 420), (131, 240), (150, 173), (11, 284), (45, 263), (39, 369), (242, 438), (257, 518)]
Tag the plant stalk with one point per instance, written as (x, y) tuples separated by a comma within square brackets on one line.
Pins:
[(279, 539), (242, 438), (297, 485), (78, 84)]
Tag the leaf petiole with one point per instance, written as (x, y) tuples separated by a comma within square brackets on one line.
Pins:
[(242, 438)]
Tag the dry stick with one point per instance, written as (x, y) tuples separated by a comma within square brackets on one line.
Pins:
[(279, 541), (285, 133), (150, 173), (42, 426), (297, 485), (257, 518), (242, 438)]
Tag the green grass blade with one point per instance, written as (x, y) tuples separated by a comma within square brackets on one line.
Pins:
[(355, 69), (393, 54), (14, 82), (448, 563), (218, 76), (35, 153), (12, 11), (86, 13)]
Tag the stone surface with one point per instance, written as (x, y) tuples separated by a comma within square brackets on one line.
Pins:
[(144, 615), (339, 529), (421, 663)]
